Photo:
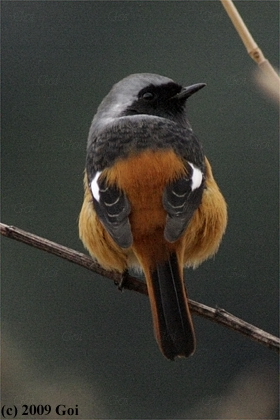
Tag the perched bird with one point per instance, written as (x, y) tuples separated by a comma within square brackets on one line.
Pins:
[(151, 200)]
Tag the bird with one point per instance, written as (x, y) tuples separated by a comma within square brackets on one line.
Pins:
[(150, 198)]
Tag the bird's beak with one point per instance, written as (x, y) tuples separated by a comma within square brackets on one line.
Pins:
[(187, 91)]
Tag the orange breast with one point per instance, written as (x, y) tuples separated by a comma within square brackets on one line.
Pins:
[(143, 177)]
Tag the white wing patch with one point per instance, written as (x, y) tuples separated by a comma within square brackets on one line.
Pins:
[(94, 187), (196, 176)]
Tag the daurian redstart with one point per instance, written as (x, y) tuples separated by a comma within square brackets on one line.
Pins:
[(150, 197)]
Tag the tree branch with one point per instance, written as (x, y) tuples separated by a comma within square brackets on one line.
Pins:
[(270, 78), (216, 315), (250, 44)]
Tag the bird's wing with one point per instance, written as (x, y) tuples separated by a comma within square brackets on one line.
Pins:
[(181, 199), (113, 208)]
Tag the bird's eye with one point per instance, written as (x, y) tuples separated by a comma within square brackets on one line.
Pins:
[(148, 96)]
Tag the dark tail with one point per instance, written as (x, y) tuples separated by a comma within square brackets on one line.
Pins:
[(171, 315)]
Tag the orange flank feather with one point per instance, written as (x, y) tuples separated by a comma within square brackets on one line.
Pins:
[(204, 234)]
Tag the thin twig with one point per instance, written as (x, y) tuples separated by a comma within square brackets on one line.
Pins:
[(252, 48), (216, 315), (68, 254)]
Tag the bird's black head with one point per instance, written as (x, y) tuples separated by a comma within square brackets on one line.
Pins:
[(145, 94), (167, 100)]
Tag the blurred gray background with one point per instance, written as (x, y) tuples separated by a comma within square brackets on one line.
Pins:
[(69, 336)]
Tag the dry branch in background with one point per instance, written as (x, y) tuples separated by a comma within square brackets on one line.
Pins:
[(216, 315), (268, 77)]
